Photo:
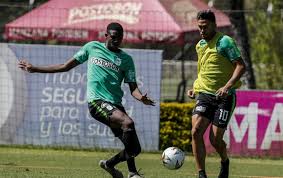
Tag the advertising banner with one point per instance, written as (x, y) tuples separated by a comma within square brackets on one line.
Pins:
[(256, 128), (51, 109)]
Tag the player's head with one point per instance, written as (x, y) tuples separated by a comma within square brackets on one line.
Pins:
[(206, 24), (114, 35)]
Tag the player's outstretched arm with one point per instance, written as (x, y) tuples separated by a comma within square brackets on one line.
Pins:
[(136, 93), (68, 65)]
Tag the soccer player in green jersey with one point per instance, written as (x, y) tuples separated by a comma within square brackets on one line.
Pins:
[(108, 67), (220, 67)]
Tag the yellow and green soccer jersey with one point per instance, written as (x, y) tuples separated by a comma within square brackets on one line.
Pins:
[(106, 71), (215, 66)]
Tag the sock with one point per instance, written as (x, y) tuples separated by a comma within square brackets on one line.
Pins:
[(131, 165), (226, 162), (120, 157), (131, 142), (202, 172), (132, 149)]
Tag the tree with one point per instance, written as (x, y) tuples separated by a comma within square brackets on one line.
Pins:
[(267, 44), (265, 36), (235, 10)]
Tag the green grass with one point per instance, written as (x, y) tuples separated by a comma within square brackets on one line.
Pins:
[(47, 163)]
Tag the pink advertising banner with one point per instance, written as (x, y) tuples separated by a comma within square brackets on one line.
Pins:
[(256, 127)]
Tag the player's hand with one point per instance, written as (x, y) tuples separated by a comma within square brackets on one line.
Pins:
[(222, 92), (147, 101), (191, 94), (26, 66)]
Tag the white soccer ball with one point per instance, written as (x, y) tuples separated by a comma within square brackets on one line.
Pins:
[(173, 158)]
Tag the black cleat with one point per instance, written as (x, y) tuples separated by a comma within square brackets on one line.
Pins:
[(224, 170), (135, 175), (202, 174), (115, 173)]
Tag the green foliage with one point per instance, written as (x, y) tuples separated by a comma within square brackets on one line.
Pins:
[(266, 39), (175, 125)]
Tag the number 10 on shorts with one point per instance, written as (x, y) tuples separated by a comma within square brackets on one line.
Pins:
[(223, 115)]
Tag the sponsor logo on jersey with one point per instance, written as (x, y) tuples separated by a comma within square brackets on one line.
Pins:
[(117, 61), (104, 63)]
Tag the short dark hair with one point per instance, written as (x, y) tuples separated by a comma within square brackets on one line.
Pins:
[(115, 26), (206, 15)]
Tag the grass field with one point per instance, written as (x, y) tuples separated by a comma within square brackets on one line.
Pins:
[(47, 163)]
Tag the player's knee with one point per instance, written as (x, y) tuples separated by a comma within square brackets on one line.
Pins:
[(127, 124)]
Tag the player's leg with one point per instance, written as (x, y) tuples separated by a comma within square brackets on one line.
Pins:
[(199, 126), (216, 139), (129, 138), (120, 123), (222, 117), (202, 113), (101, 111), (123, 127)]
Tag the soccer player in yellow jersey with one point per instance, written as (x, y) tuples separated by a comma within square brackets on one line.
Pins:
[(220, 67)]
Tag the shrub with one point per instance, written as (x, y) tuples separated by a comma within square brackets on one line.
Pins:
[(175, 125)]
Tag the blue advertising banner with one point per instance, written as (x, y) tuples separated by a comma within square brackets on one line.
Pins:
[(51, 109)]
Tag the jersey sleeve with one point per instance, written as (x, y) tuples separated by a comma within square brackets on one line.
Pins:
[(82, 54), (229, 49), (130, 71)]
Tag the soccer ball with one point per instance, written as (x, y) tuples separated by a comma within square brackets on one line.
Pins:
[(173, 158)]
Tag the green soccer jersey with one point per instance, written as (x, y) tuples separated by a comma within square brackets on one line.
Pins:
[(215, 66), (106, 71)]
